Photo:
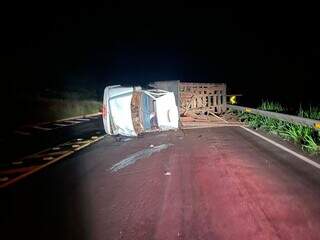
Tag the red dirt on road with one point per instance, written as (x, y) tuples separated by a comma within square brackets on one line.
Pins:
[(221, 187), (223, 184)]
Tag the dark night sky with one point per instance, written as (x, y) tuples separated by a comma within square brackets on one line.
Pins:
[(262, 53)]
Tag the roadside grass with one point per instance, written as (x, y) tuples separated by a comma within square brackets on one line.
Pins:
[(305, 137), (69, 94), (51, 105), (33, 107), (311, 112), (66, 103), (272, 106), (65, 108), (51, 109)]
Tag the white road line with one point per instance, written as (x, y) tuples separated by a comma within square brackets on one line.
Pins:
[(66, 119), (42, 128), (83, 119), (61, 125), (301, 157), (81, 116), (22, 133), (73, 122), (36, 169)]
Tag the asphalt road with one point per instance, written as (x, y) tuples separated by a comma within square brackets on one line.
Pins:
[(217, 183), (17, 145)]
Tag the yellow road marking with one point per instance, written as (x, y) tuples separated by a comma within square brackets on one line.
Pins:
[(17, 162), (71, 121), (36, 169), (42, 128), (16, 170), (83, 142), (50, 154), (60, 125), (4, 179)]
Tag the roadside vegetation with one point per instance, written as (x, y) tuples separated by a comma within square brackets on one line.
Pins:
[(305, 137), (51, 105), (272, 106), (47, 110), (311, 112)]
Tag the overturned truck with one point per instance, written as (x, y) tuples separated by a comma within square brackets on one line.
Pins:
[(130, 111), (196, 99)]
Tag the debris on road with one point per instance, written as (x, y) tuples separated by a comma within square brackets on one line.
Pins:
[(123, 139), (145, 153)]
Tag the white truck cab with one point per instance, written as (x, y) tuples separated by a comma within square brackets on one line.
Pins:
[(130, 111)]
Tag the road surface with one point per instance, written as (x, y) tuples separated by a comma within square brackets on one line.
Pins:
[(36, 138), (217, 183)]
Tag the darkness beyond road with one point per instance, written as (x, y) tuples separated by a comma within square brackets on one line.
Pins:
[(262, 52), (218, 183)]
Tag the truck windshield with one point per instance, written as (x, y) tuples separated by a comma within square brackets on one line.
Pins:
[(148, 112)]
